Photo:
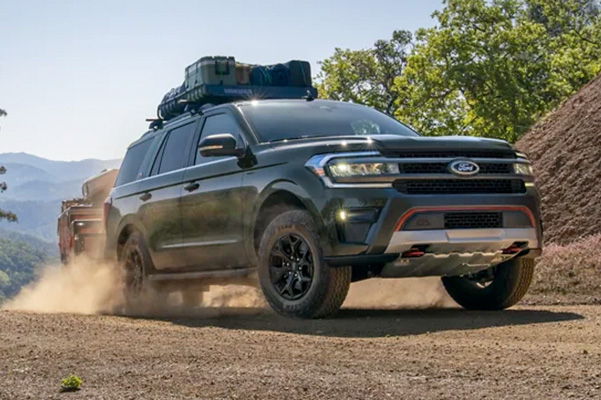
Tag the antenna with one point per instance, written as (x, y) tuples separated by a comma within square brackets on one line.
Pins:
[(309, 96)]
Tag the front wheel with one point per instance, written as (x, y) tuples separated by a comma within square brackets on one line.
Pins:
[(495, 289), (294, 277)]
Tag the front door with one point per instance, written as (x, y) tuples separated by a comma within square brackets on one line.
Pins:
[(211, 204)]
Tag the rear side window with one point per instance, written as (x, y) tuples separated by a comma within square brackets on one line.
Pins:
[(130, 167), (174, 154)]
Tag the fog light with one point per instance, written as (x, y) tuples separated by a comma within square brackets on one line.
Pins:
[(523, 169)]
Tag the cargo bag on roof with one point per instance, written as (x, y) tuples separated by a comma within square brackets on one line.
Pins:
[(216, 80), (270, 75), (211, 71), (300, 73), (171, 105)]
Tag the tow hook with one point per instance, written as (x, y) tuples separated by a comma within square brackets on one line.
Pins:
[(414, 252)]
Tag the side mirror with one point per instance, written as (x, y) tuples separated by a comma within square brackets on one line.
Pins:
[(222, 144)]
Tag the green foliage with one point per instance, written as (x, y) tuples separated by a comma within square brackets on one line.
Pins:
[(366, 76), (488, 68), (18, 261), (7, 215), (71, 383)]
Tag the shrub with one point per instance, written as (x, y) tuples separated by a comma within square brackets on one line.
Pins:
[(71, 383)]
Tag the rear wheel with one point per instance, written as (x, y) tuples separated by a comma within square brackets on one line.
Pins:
[(294, 277), (495, 289), (135, 261)]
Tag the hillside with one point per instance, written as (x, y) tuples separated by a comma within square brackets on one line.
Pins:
[(60, 171), (43, 190), (565, 149), (36, 187), (20, 255), (37, 218), (50, 250)]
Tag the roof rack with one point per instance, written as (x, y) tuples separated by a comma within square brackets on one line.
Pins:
[(205, 96)]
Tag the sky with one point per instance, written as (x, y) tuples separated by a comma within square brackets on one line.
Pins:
[(79, 78)]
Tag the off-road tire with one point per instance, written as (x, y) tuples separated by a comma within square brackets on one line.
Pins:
[(329, 285), (139, 299), (510, 283)]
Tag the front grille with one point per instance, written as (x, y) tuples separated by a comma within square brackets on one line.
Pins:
[(452, 154), (442, 168), (473, 220), (460, 186)]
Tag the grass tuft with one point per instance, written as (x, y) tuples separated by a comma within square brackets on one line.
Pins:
[(71, 383)]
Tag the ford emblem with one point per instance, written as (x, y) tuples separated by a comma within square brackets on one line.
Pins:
[(464, 168)]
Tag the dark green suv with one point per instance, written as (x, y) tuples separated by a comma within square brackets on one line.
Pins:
[(316, 194)]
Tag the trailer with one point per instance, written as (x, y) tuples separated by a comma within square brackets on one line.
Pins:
[(80, 225)]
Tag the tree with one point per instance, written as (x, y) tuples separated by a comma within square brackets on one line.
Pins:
[(482, 71), (366, 76), (5, 214), (487, 68)]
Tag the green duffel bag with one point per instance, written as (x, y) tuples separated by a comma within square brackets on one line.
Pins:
[(216, 70)]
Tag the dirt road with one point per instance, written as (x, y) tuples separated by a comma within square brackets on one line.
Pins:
[(523, 353)]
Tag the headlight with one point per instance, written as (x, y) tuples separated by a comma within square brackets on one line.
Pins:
[(523, 169), (343, 169)]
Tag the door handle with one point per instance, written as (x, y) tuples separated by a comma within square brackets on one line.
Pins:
[(190, 187), (145, 196)]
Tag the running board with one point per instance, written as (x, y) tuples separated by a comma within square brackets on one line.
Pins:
[(221, 274)]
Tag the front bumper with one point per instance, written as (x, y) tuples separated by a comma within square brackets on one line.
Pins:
[(462, 240), (449, 252)]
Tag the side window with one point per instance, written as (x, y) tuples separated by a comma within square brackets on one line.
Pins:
[(174, 151), (220, 123), (130, 167)]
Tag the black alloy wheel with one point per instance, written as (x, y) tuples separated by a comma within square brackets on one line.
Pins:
[(291, 267)]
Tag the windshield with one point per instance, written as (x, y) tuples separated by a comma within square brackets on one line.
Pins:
[(280, 120)]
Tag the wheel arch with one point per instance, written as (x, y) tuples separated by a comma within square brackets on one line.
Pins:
[(274, 200), (124, 233)]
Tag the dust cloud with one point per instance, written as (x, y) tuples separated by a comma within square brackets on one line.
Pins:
[(83, 287), (91, 287), (88, 286), (407, 293)]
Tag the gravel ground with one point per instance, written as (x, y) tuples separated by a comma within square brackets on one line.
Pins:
[(522, 353)]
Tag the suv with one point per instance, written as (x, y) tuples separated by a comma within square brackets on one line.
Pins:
[(316, 194)]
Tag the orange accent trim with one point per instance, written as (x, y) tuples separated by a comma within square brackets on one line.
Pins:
[(416, 210)]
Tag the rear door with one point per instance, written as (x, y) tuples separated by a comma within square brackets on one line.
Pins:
[(160, 192), (212, 200)]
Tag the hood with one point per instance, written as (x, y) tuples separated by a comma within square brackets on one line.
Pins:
[(395, 143)]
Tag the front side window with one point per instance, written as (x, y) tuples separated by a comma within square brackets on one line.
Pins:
[(175, 150), (130, 167), (281, 120)]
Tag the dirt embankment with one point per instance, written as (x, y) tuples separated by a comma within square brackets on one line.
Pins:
[(565, 149)]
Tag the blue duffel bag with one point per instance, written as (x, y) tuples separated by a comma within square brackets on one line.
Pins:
[(270, 75)]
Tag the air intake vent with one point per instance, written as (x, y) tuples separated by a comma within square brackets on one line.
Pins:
[(473, 220)]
